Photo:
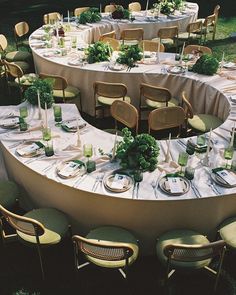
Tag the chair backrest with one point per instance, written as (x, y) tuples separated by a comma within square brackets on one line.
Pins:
[(194, 26), (114, 43), (125, 113), (134, 6), (132, 34), (153, 46), (111, 34), (103, 250), (13, 69), (209, 20), (51, 17), (21, 29), (186, 105), (79, 10), (216, 11), (23, 224), (154, 93), (166, 117), (193, 253), (197, 49), (112, 90), (168, 32), (110, 8), (59, 83), (3, 42)]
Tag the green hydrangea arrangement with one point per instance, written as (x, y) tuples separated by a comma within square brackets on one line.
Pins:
[(92, 15), (129, 55), (139, 152), (120, 13), (98, 52), (45, 88), (167, 7), (206, 65)]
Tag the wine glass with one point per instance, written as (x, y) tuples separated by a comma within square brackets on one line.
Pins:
[(182, 161), (228, 154), (88, 152)]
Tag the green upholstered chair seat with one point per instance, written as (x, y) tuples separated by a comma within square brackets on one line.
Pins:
[(23, 65), (9, 193), (55, 223), (18, 56), (113, 234), (130, 42), (227, 231), (155, 104), (108, 101), (204, 122), (180, 236), (70, 92), (113, 131), (186, 35)]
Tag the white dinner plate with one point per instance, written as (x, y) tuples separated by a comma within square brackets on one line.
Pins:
[(119, 177), (163, 184), (70, 169)]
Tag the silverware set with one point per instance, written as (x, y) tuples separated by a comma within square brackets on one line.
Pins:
[(195, 190), (154, 185), (128, 69), (98, 181)]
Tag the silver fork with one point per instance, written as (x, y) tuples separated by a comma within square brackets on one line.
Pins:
[(154, 186), (98, 181), (213, 187)]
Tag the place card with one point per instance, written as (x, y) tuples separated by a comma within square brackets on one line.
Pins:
[(30, 149), (175, 185), (227, 176), (119, 181), (70, 169)]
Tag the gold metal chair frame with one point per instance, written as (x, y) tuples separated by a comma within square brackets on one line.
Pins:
[(134, 6), (102, 250), (111, 34), (79, 10), (110, 8), (153, 46), (190, 49), (169, 33), (194, 253), (114, 43), (132, 34), (193, 28), (51, 17), (21, 29)]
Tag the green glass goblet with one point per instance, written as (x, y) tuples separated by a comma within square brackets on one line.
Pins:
[(182, 161)]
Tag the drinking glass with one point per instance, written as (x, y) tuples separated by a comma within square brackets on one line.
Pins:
[(46, 131), (182, 160), (88, 152), (23, 112), (138, 175), (189, 172), (73, 42), (233, 165), (23, 124), (48, 148), (228, 154), (57, 114), (201, 139)]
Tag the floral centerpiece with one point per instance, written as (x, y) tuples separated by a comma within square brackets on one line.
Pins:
[(92, 15), (139, 152), (45, 89), (120, 12), (206, 64), (98, 52), (129, 55), (165, 6)]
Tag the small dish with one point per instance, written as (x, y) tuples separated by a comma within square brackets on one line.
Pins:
[(118, 182), (30, 149), (10, 122), (71, 125), (70, 169), (176, 70), (180, 180)]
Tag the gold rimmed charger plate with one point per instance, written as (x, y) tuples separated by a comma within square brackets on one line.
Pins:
[(33, 154), (80, 170), (163, 184), (218, 180), (175, 70), (14, 124), (107, 182)]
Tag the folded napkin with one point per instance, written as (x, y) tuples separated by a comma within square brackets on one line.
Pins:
[(170, 167)]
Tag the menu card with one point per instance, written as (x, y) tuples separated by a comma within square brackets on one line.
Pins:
[(29, 149), (69, 169), (175, 185), (119, 181), (227, 176)]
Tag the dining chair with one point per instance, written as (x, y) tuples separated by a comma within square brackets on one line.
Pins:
[(9, 193), (105, 93), (79, 10), (226, 231), (108, 247), (193, 32), (111, 34), (168, 36), (38, 227), (51, 18), (64, 92), (166, 118), (134, 6), (132, 36), (197, 49), (187, 250), (199, 123), (21, 31), (15, 56), (153, 46), (154, 97), (209, 26), (114, 43), (125, 113), (110, 8)]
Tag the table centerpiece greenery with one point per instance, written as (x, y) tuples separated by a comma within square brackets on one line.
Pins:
[(45, 88), (129, 55), (98, 52), (120, 13), (165, 6), (206, 65), (137, 153), (92, 15)]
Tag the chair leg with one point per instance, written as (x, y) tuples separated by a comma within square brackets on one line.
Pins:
[(40, 257), (219, 268)]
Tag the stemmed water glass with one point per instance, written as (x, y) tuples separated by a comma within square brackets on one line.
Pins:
[(228, 155), (88, 152), (182, 161)]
